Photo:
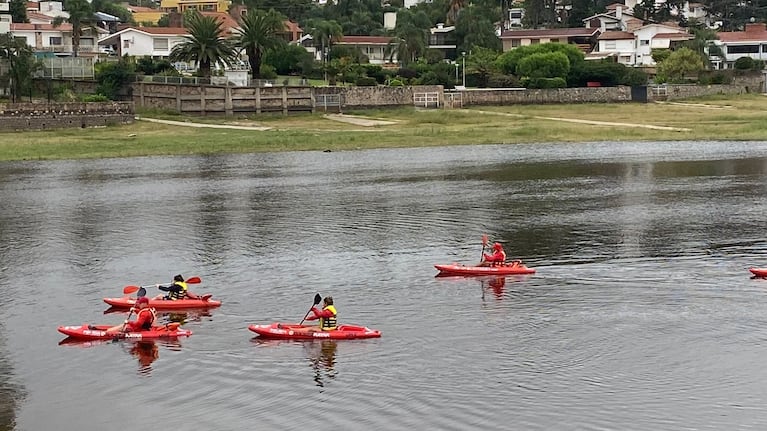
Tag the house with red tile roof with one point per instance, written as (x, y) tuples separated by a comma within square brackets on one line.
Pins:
[(58, 40), (145, 41), (736, 44)]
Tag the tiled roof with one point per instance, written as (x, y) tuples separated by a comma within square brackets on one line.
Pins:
[(142, 9), (39, 17), (22, 26), (369, 40), (224, 18), (676, 36), (569, 32), (616, 35), (742, 36), (161, 30)]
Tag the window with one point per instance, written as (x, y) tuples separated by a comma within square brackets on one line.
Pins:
[(554, 40), (764, 48), (610, 44), (160, 44), (534, 41), (126, 43), (515, 43), (743, 49), (54, 40), (644, 42)]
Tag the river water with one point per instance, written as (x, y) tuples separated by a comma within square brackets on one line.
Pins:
[(642, 314)]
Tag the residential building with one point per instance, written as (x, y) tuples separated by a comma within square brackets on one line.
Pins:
[(202, 5), (53, 9), (143, 14), (5, 18), (374, 47), (616, 18), (584, 38), (736, 44), (145, 41), (56, 40), (442, 38), (657, 36), (618, 44)]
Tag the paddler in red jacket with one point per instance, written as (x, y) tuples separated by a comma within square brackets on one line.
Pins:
[(498, 257), (144, 318), (328, 315)]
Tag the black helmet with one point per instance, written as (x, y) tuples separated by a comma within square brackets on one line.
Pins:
[(178, 278)]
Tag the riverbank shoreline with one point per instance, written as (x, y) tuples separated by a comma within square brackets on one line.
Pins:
[(742, 117)]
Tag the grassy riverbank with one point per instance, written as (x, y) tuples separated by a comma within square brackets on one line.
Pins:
[(714, 118)]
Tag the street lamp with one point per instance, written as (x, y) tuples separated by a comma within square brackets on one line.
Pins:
[(463, 54), (456, 71)]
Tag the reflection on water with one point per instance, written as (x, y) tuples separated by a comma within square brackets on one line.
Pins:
[(320, 353), (146, 352), (641, 297)]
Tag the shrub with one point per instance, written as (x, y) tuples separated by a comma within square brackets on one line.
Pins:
[(366, 81), (744, 63), (498, 80), (95, 98), (395, 83)]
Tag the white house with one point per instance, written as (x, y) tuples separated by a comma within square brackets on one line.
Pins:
[(654, 36), (47, 38), (617, 18), (145, 41), (735, 44), (620, 44), (374, 47), (5, 18)]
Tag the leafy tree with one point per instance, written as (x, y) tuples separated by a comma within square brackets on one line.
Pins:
[(544, 65), (540, 13), (294, 10), (113, 77), (80, 16), (454, 8), (288, 59), (18, 9), (680, 65), (164, 21), (509, 60), (481, 62), (474, 29), (259, 33), (205, 45), (703, 44), (22, 65)]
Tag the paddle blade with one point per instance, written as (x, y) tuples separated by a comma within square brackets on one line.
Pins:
[(130, 289), (141, 292), (317, 299), (194, 280)]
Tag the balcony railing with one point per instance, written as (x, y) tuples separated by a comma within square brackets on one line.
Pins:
[(68, 48)]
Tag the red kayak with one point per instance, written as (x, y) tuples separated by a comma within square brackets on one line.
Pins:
[(163, 304), (98, 332), (758, 272), (292, 331), (513, 268)]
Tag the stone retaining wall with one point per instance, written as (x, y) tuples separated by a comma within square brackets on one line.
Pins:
[(42, 116)]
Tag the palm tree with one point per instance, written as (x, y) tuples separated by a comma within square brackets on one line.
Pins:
[(259, 33), (205, 45), (325, 33), (80, 16)]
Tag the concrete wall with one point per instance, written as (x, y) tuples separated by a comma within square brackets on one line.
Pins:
[(522, 96), (42, 116)]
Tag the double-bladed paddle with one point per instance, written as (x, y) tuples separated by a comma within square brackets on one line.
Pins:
[(130, 289), (317, 299)]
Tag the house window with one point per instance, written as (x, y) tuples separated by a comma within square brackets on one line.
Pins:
[(743, 49), (515, 43), (160, 44), (54, 40), (610, 44), (534, 41), (764, 48), (554, 40), (644, 42), (126, 43)]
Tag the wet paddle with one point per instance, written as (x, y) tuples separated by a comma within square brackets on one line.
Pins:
[(484, 244), (317, 299)]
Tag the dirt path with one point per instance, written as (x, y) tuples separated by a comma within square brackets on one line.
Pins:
[(593, 122), (211, 126), (359, 121)]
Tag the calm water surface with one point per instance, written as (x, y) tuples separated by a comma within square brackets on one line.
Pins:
[(641, 316)]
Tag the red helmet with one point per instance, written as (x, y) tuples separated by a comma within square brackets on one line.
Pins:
[(142, 300), (497, 246)]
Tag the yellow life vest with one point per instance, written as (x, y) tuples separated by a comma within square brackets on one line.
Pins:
[(181, 294), (329, 323)]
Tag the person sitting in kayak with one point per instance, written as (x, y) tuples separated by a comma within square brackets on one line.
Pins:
[(176, 290), (498, 258), (144, 318), (328, 315)]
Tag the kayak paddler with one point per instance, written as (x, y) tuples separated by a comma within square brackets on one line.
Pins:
[(498, 257), (177, 289), (328, 315), (144, 318)]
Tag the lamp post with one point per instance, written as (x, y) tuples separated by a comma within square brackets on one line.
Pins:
[(463, 54), (456, 71)]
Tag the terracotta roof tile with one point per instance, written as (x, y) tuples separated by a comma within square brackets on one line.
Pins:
[(616, 35), (371, 40), (570, 32)]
